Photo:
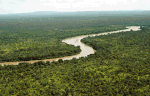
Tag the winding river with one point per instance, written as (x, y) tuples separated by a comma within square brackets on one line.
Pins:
[(76, 41)]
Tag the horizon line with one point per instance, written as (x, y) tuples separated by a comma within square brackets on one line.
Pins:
[(72, 11)]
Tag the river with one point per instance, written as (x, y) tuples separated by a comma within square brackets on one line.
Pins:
[(76, 41)]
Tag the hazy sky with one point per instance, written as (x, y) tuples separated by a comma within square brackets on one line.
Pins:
[(23, 6)]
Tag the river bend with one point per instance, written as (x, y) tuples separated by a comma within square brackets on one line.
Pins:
[(76, 41)]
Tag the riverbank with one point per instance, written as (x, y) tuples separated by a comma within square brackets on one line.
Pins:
[(76, 41)]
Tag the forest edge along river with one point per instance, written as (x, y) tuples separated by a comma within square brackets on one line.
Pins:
[(76, 41)]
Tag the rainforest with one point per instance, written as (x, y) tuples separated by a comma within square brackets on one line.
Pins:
[(119, 66)]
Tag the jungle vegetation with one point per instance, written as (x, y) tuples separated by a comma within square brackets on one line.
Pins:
[(120, 65), (40, 38)]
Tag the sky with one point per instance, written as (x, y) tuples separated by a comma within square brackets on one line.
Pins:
[(25, 6)]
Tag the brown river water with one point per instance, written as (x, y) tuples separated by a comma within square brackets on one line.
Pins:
[(76, 41)]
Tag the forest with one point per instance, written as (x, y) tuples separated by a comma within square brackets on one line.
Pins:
[(120, 66), (25, 39)]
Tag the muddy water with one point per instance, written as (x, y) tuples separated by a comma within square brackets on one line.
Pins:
[(76, 41)]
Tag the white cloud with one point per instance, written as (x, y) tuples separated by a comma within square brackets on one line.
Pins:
[(20, 6)]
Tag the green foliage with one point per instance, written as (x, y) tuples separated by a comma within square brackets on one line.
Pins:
[(120, 66), (26, 39), (38, 53)]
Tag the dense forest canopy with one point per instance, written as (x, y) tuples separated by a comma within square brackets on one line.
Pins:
[(120, 65), (30, 38)]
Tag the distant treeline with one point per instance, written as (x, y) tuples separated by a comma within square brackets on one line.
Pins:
[(27, 37)]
